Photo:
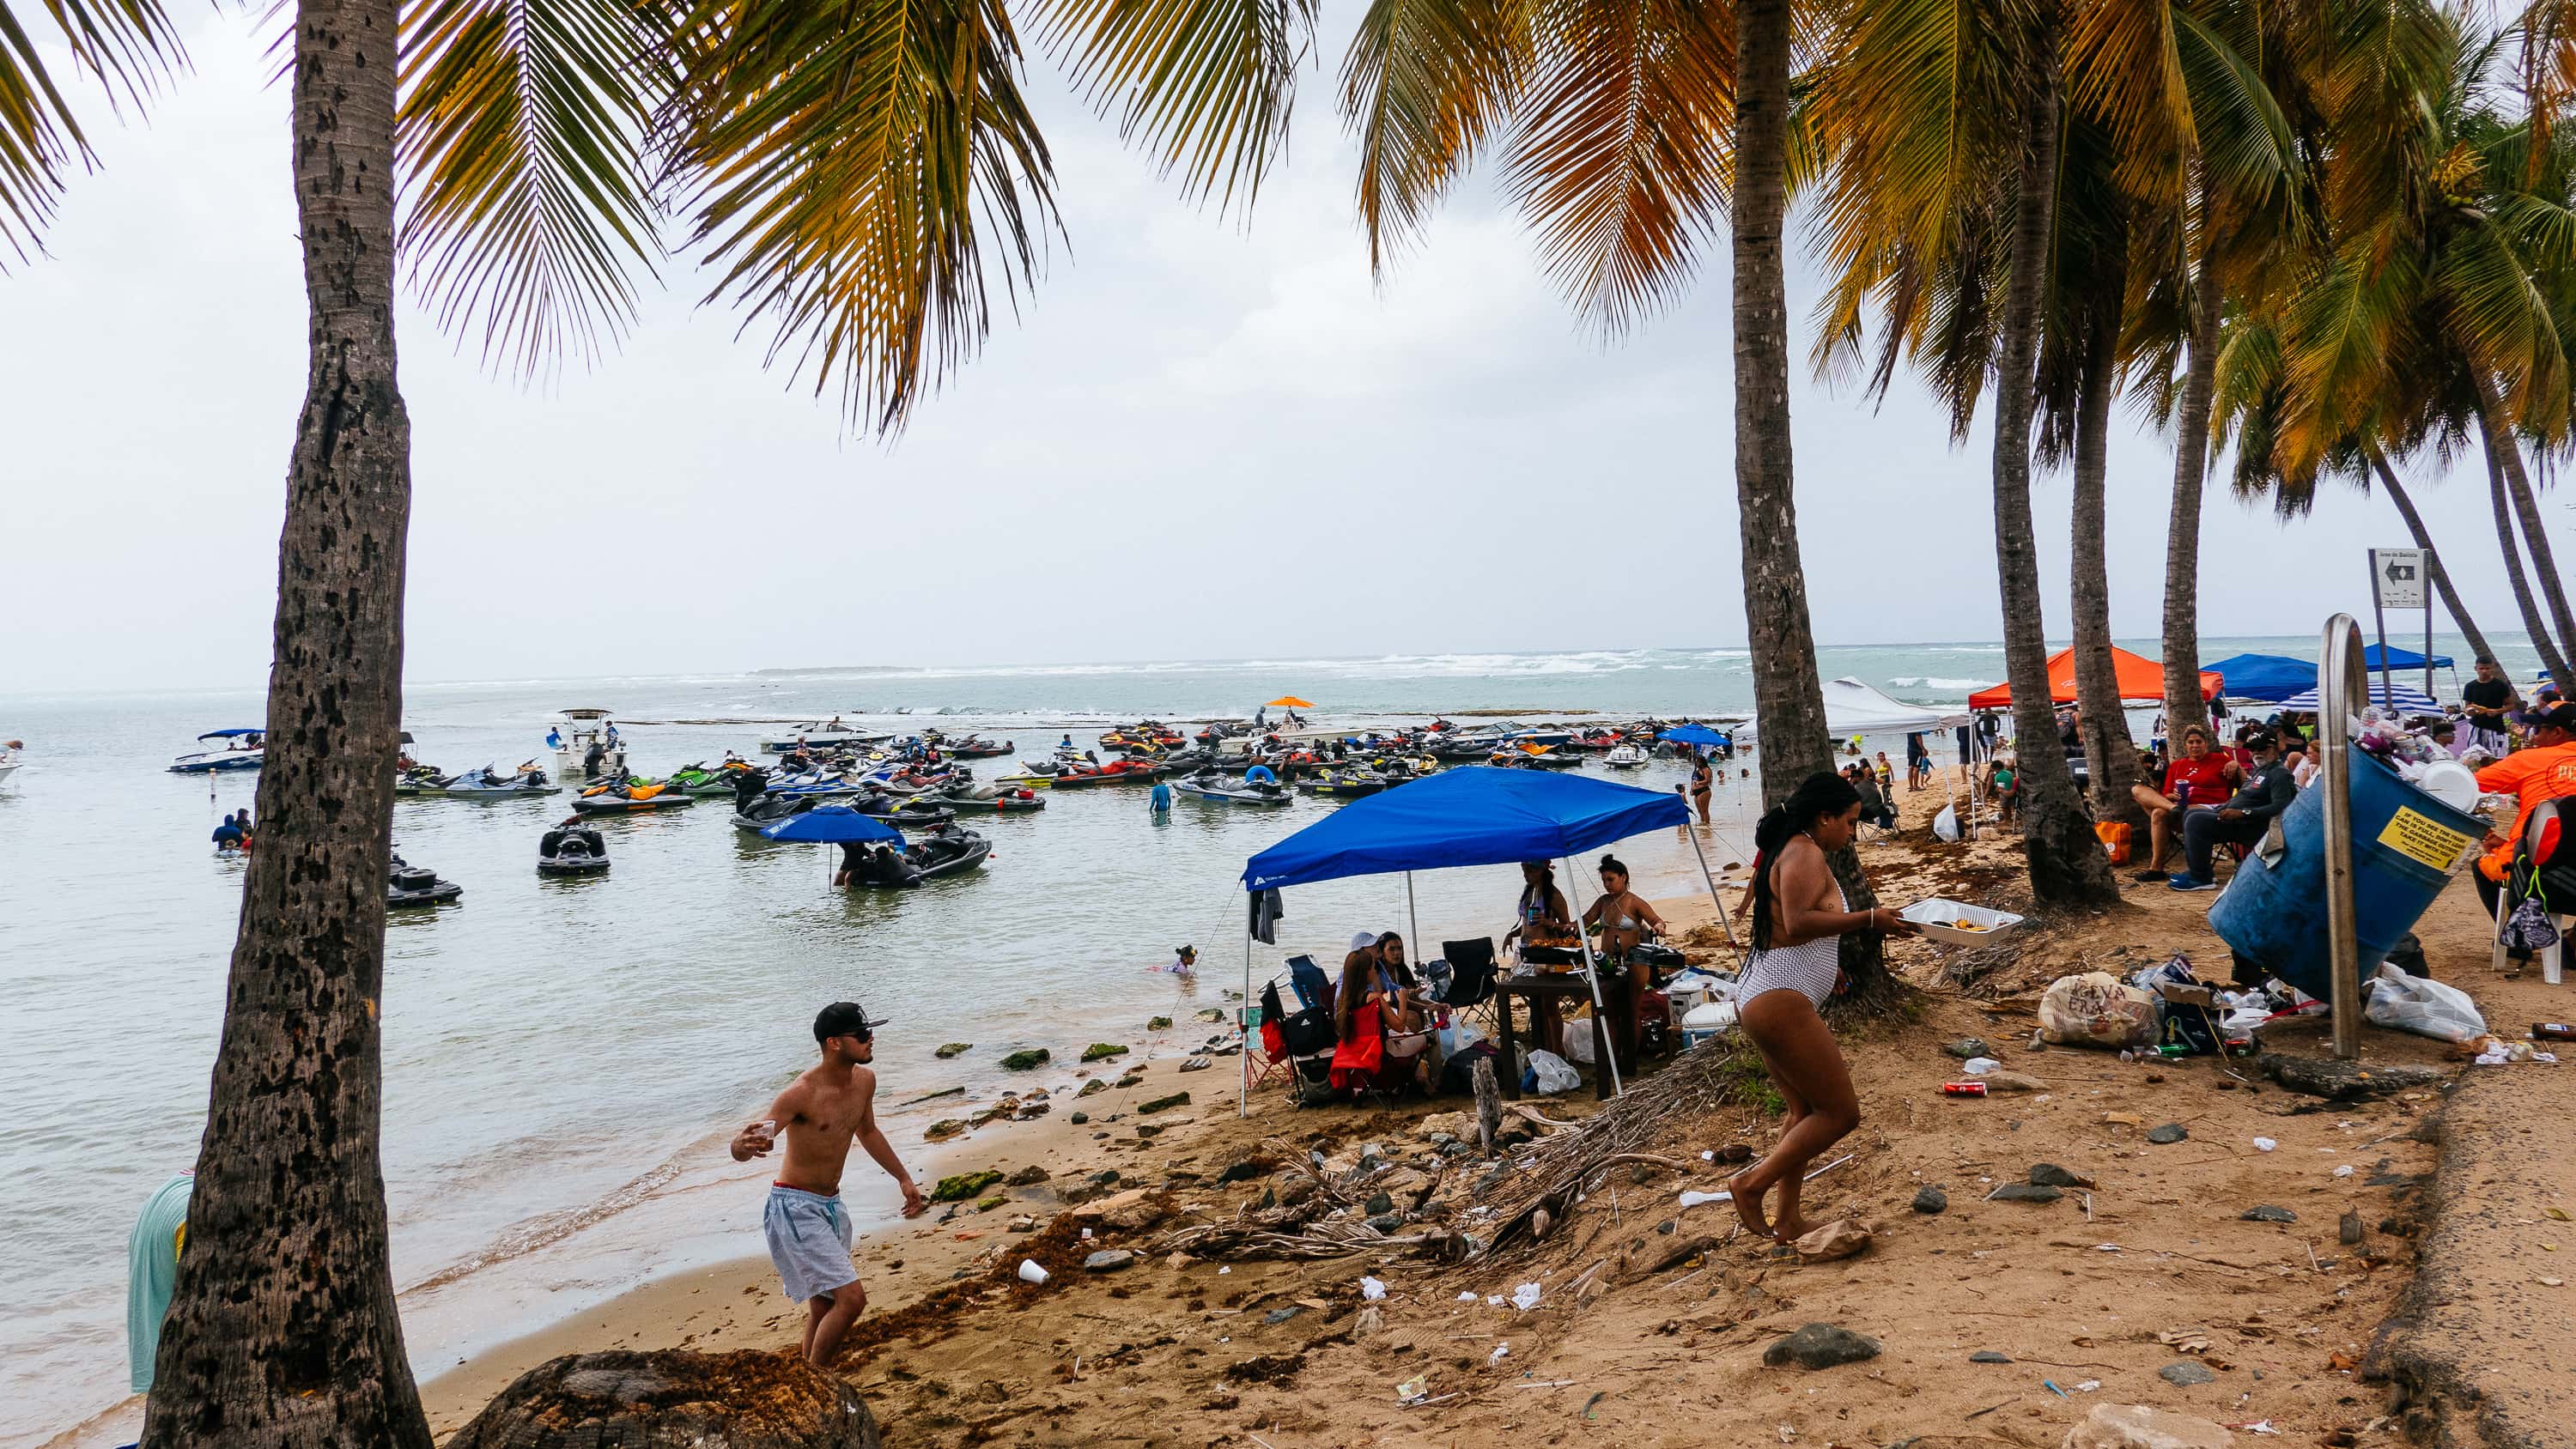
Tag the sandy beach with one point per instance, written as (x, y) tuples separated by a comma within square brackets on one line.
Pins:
[(2151, 1285)]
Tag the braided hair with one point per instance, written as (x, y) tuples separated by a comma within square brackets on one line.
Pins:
[(1820, 794)]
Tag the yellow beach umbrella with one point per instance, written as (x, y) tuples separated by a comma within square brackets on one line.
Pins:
[(1290, 701)]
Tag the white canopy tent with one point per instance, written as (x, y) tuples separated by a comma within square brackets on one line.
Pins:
[(1856, 708)]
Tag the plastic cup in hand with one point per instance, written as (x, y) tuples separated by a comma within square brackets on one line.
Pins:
[(1030, 1272)]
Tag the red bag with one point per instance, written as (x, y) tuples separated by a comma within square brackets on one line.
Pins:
[(1356, 1062), (1274, 1042)]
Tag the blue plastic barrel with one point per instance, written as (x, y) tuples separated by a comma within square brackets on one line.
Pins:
[(2405, 845)]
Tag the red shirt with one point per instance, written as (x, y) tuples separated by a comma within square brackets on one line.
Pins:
[(2198, 780)]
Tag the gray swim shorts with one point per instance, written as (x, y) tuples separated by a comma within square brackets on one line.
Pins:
[(809, 1241)]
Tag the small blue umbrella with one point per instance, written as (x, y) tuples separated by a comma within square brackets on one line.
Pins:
[(832, 825), (1694, 734)]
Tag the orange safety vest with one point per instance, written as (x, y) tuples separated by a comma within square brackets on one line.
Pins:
[(2531, 776)]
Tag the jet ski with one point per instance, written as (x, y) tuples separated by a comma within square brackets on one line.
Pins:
[(1345, 784), (949, 850), (971, 748), (414, 885), (418, 780), (1234, 790), (571, 850), (626, 795), (765, 810), (913, 812), (1625, 757), (1000, 799), (697, 779), (818, 736), (490, 783)]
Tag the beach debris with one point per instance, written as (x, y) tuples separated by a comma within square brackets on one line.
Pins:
[(1525, 1297), (935, 1096), (1164, 1104), (1027, 1060), (1024, 1223), (2168, 1134), (1108, 1260), (2139, 1426), (1929, 1200), (1134, 1210), (1734, 1153), (1467, 1295), (1198, 1064), (2003, 1081), (1501, 1351), (953, 1049), (2183, 1373), (2049, 1174), (2344, 1171), (2024, 1192), (1445, 1124), (942, 1129), (1102, 1051), (1968, 1048), (1979, 1066), (673, 1396), (1988, 1355), (1693, 1197), (1841, 1238), (1820, 1346), (2267, 1213), (2341, 1081), (1413, 1390), (1030, 1272), (2123, 1119), (1277, 1316), (963, 1186), (1159, 1023), (2265, 1144), (1372, 1290)]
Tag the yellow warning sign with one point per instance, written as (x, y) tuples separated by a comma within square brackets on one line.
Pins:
[(2420, 837)]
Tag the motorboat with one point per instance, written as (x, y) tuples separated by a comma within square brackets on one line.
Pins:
[(10, 758), (587, 739), (242, 749), (1528, 757), (1234, 790), (624, 796), (493, 783), (571, 849), (417, 885), (1000, 799), (949, 850), (1624, 757), (831, 735)]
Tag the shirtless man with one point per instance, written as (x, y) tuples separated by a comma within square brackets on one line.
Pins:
[(821, 1113)]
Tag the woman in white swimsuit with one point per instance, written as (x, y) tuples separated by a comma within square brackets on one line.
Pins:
[(1799, 919)]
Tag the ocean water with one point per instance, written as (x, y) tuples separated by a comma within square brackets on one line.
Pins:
[(566, 1057)]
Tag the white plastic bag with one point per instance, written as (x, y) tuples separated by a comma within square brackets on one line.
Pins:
[(2423, 1006), (1578, 1040), (1946, 824), (1459, 1035), (2096, 1009), (1554, 1073)]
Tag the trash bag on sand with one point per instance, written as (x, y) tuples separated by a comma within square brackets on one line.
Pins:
[(2095, 1009), (1946, 824), (1553, 1073), (2423, 1006)]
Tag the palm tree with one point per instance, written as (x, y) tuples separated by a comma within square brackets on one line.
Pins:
[(1626, 131), (842, 166)]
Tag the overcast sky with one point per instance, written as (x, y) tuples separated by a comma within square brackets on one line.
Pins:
[(1201, 440)]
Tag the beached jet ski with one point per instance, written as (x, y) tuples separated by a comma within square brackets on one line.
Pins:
[(1001, 799), (571, 850), (1234, 789), (491, 783), (949, 850), (628, 795), (414, 885)]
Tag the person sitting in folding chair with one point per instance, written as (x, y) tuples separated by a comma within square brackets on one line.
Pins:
[(1625, 920), (1382, 1016), (2545, 769)]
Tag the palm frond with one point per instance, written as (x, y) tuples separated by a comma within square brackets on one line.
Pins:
[(126, 46), (1622, 154), (1205, 85), (1424, 86), (846, 165), (519, 137), (2124, 68), (2501, 321)]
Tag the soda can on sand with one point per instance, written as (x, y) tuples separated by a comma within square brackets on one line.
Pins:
[(1963, 1089)]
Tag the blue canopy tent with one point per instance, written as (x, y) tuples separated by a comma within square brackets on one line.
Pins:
[(1473, 815), (1695, 734), (2403, 659), (2266, 677), (832, 825)]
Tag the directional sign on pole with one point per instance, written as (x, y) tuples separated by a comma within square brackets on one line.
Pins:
[(2399, 573)]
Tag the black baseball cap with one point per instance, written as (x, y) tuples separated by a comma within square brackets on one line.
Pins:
[(845, 1018), (2255, 737)]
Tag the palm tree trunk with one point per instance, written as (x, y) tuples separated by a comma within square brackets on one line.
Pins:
[(2550, 658), (2183, 704), (283, 1331), (2066, 859), (2535, 533), (2110, 757), (1788, 697), (2432, 557)]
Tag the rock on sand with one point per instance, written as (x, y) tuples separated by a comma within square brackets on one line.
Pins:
[(1819, 1346)]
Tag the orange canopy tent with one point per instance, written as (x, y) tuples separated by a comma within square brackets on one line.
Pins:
[(2141, 679)]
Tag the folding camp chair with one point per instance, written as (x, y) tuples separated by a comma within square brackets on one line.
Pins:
[(1297, 1044)]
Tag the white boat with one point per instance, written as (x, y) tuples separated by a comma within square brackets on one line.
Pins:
[(242, 749), (1624, 757), (9, 761), (576, 733), (820, 736)]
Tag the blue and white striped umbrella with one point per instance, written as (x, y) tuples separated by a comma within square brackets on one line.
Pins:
[(2407, 699)]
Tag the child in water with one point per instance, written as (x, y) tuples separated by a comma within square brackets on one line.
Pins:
[(1185, 961)]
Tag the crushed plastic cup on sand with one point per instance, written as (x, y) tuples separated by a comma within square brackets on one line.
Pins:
[(1979, 1066), (1525, 1297), (2264, 1144), (1372, 1290), (1467, 1297), (1030, 1272)]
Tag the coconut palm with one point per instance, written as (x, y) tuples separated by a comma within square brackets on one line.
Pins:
[(841, 168)]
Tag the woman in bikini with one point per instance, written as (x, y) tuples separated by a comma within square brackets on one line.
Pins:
[(1624, 918), (1699, 786), (1799, 919)]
